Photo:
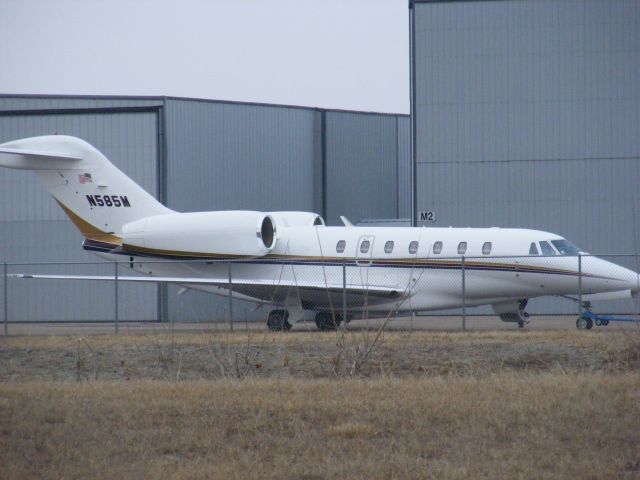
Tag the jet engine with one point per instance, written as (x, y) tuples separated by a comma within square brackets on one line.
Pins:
[(236, 233), (297, 219), (512, 311)]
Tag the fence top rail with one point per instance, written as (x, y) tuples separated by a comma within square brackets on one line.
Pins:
[(251, 260)]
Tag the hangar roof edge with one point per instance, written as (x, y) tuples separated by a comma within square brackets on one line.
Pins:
[(188, 99)]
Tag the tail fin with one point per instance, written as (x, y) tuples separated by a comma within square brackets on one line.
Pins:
[(98, 198)]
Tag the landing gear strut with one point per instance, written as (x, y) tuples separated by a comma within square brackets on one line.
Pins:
[(584, 321), (278, 321), (327, 321)]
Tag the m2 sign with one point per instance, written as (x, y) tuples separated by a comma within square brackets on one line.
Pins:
[(428, 216)]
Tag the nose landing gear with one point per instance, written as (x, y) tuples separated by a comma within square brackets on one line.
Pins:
[(584, 323), (588, 319)]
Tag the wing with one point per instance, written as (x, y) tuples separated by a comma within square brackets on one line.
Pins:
[(311, 294)]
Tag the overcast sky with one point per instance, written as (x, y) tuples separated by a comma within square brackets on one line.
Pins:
[(347, 54)]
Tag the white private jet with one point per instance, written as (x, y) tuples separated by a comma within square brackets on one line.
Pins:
[(293, 261)]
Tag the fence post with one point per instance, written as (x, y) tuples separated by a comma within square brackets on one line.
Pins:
[(579, 285), (116, 316), (344, 293), (6, 300), (230, 299), (464, 296)]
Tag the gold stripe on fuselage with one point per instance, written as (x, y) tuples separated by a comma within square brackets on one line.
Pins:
[(88, 230), (177, 253), (417, 262)]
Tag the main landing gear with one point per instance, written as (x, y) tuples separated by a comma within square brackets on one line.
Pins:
[(326, 321), (278, 321), (513, 312)]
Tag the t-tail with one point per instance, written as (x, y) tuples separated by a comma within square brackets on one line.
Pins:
[(98, 198)]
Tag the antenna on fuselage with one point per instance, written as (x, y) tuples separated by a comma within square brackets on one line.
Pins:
[(346, 221)]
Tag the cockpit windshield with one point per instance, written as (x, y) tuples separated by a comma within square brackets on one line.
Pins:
[(547, 249), (565, 247)]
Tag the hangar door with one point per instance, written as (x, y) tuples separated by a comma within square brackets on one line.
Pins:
[(33, 229)]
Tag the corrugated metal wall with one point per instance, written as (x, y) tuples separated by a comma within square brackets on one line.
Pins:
[(528, 115), (404, 166), (34, 229), (361, 166), (224, 156)]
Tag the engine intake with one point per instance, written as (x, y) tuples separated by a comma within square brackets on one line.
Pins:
[(227, 233)]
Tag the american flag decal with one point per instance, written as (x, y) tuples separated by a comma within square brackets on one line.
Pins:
[(85, 178)]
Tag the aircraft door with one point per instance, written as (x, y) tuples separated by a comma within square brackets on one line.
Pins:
[(426, 249), (423, 252), (364, 250)]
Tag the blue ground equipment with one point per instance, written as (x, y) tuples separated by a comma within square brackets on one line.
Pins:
[(588, 319)]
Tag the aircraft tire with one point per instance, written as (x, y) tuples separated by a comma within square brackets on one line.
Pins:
[(325, 321), (584, 323), (277, 321), (605, 323)]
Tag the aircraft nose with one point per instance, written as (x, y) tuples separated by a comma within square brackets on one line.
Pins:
[(634, 282), (631, 278), (625, 278)]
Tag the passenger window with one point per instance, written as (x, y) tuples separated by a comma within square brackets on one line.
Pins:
[(437, 248), (340, 246), (364, 246), (547, 249), (486, 248), (388, 247), (533, 249), (413, 247), (462, 248)]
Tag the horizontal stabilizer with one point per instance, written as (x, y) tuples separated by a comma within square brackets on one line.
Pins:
[(221, 282), (249, 287), (35, 160)]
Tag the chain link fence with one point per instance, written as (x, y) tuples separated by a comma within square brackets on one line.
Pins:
[(319, 292)]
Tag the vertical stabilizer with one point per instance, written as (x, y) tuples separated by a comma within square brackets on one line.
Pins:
[(98, 198)]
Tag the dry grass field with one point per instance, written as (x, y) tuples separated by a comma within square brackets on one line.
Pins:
[(562, 404)]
